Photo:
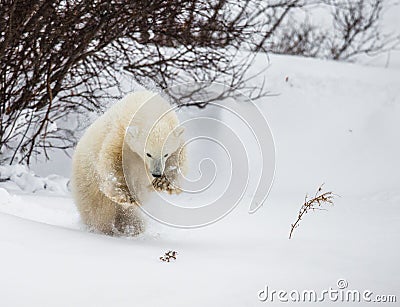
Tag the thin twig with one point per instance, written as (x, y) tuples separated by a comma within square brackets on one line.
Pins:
[(314, 203)]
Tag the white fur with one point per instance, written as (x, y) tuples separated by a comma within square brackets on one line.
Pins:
[(98, 184)]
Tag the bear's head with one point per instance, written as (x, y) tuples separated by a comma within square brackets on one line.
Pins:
[(155, 145)]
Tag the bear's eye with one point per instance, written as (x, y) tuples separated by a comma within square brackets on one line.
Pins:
[(166, 155), (149, 155)]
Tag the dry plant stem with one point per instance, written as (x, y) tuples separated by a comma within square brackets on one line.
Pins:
[(314, 203)]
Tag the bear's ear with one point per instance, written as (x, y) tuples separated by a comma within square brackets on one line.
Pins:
[(132, 132), (178, 131)]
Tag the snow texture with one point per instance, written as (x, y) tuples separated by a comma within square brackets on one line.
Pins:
[(332, 122)]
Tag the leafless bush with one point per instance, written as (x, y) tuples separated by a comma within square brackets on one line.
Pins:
[(355, 30), (302, 39)]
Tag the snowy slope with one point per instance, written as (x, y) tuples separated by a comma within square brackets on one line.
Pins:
[(332, 122)]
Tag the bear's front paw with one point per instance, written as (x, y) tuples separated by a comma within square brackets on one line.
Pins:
[(119, 195), (163, 184), (123, 198)]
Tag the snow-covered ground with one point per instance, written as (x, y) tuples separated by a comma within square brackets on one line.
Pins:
[(335, 123)]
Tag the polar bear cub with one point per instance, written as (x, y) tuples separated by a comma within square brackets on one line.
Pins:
[(136, 140)]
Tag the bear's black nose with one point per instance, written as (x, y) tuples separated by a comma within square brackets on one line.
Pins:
[(156, 175)]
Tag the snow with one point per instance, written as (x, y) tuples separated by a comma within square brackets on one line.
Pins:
[(20, 178), (332, 122)]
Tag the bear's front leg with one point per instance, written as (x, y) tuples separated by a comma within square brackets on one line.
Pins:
[(110, 171), (116, 189)]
